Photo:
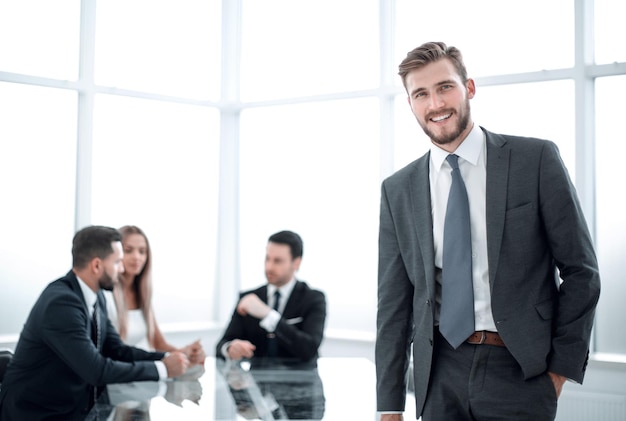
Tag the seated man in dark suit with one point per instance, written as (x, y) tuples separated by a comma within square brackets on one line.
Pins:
[(68, 347), (287, 326)]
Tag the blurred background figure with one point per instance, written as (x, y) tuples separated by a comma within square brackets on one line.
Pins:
[(129, 306), (282, 319)]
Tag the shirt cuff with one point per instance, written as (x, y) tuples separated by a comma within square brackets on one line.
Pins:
[(270, 321), (160, 365), (224, 350)]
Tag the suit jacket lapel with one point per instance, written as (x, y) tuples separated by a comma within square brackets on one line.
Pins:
[(497, 181), (75, 287), (294, 299), (73, 283), (262, 293), (423, 226)]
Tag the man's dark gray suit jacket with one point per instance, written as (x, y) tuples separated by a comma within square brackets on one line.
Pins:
[(535, 225), (56, 364), (299, 332)]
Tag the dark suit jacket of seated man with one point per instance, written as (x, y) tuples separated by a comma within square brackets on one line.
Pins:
[(56, 363), (299, 323)]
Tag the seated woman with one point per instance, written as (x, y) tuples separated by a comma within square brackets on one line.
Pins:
[(130, 305)]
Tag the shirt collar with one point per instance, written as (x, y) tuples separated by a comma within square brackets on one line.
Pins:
[(285, 290), (88, 294), (469, 149)]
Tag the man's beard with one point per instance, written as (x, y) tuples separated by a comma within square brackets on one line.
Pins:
[(106, 282), (464, 118), (277, 280)]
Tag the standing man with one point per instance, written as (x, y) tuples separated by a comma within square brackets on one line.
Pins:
[(284, 318), (68, 348), (490, 237)]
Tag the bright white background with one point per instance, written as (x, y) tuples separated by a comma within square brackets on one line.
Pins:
[(212, 124)]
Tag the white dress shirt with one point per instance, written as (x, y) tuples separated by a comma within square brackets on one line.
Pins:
[(472, 154), (270, 321)]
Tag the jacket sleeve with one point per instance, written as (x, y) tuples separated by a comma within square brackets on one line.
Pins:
[(303, 339), (65, 331), (234, 330), (394, 317), (572, 248)]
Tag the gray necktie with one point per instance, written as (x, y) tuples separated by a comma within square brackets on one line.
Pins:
[(456, 320)]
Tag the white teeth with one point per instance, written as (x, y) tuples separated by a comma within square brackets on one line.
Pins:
[(443, 117)]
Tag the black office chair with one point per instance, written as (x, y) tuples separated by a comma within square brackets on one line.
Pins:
[(5, 358)]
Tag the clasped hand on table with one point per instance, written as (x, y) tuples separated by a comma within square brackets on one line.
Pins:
[(194, 352), (178, 361)]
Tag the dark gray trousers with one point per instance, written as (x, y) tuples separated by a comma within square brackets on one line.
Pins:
[(484, 383)]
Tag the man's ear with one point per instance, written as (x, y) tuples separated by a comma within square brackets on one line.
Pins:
[(296, 263), (471, 88), (95, 265)]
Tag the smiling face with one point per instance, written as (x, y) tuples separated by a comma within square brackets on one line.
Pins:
[(440, 102), (135, 254)]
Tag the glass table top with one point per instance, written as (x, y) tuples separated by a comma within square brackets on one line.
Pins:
[(257, 389)]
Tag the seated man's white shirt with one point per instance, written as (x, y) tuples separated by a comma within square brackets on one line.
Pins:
[(270, 321)]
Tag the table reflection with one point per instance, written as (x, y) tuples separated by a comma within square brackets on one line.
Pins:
[(275, 389), (132, 401), (331, 388)]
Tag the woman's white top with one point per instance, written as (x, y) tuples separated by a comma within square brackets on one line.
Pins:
[(137, 333)]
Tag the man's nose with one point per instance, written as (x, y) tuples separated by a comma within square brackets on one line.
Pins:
[(436, 101)]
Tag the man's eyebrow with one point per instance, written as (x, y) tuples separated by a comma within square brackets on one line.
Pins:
[(416, 90), (443, 82)]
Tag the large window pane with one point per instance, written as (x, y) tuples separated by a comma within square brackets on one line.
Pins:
[(313, 169), (610, 222), (155, 165), (37, 186), (523, 111), (40, 37), (610, 31), (494, 36), (168, 47), (296, 48)]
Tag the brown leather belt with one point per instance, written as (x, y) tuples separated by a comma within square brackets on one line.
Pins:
[(484, 337)]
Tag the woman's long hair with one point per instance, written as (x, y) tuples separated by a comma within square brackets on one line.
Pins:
[(142, 284)]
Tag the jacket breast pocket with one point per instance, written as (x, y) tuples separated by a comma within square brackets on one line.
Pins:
[(545, 309), (520, 211), (294, 321)]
